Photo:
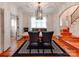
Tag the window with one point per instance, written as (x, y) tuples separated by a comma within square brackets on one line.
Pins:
[(38, 23)]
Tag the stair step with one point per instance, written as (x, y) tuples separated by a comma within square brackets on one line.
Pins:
[(65, 30), (66, 34)]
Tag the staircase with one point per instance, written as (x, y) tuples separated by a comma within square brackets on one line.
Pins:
[(67, 41), (65, 33)]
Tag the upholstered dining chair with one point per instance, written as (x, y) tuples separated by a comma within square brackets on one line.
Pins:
[(47, 40), (33, 40)]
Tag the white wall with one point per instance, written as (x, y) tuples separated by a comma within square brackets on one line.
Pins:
[(26, 20), (1, 30), (74, 29), (6, 25), (9, 9), (66, 16), (20, 15), (75, 15), (50, 22), (0, 34)]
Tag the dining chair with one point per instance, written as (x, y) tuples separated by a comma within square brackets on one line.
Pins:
[(33, 40), (47, 41)]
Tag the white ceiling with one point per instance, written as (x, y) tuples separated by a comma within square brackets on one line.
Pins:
[(48, 7)]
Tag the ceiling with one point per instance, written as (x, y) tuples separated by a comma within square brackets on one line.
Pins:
[(47, 7)]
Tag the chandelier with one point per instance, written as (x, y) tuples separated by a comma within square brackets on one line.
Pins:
[(39, 12)]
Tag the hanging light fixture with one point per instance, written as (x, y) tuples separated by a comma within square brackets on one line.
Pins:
[(39, 12)]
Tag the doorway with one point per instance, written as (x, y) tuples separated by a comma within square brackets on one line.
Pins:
[(13, 32)]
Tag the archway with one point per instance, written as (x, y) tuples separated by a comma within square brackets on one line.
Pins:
[(65, 20)]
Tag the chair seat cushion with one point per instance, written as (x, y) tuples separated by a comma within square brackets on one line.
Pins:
[(47, 44), (34, 44)]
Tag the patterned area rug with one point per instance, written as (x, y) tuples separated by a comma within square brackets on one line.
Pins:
[(23, 51)]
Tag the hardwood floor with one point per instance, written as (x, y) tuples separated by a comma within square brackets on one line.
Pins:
[(9, 51), (69, 44)]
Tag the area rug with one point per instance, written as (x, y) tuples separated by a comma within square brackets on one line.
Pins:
[(23, 51)]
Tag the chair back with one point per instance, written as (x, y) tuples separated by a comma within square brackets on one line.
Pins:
[(34, 36), (47, 36)]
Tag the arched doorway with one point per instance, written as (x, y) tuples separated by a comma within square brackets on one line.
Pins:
[(67, 17)]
